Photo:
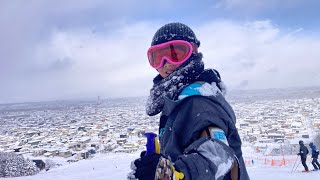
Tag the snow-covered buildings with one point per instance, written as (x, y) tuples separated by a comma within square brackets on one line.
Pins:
[(119, 125)]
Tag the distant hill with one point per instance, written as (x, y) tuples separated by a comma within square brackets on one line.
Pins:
[(233, 95), (274, 94)]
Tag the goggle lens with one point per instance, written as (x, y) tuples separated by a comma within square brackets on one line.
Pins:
[(176, 52)]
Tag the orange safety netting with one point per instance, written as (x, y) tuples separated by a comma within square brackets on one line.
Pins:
[(271, 160)]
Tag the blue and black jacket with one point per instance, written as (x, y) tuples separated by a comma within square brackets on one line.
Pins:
[(200, 105), (314, 152)]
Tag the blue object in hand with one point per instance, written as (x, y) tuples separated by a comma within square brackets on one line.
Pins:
[(150, 142)]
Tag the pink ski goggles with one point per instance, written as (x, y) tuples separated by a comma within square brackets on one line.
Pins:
[(175, 52)]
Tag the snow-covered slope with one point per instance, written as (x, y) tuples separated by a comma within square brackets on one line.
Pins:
[(116, 167)]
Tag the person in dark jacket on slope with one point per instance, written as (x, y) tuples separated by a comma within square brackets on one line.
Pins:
[(198, 137), (303, 154), (314, 156)]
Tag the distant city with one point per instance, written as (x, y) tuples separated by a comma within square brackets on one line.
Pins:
[(78, 129)]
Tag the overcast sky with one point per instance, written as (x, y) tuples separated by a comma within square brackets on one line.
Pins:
[(79, 49)]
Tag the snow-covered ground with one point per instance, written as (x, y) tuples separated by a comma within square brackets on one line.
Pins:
[(116, 166)]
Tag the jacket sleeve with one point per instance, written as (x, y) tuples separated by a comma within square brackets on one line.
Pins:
[(202, 157), (206, 158)]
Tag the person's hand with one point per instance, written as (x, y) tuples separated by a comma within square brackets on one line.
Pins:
[(144, 168)]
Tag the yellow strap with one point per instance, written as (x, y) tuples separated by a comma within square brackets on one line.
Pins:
[(178, 175), (157, 145)]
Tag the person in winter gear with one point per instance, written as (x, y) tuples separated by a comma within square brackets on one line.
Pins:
[(197, 133), (303, 154), (314, 156)]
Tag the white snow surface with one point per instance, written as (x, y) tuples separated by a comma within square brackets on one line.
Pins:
[(208, 89), (117, 166)]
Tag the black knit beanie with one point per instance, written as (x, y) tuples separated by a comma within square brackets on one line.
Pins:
[(174, 31)]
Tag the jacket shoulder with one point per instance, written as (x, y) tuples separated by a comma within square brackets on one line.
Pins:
[(200, 88)]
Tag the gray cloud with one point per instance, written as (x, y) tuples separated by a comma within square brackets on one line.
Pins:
[(272, 70), (261, 54), (243, 84), (83, 49), (260, 5), (60, 64)]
